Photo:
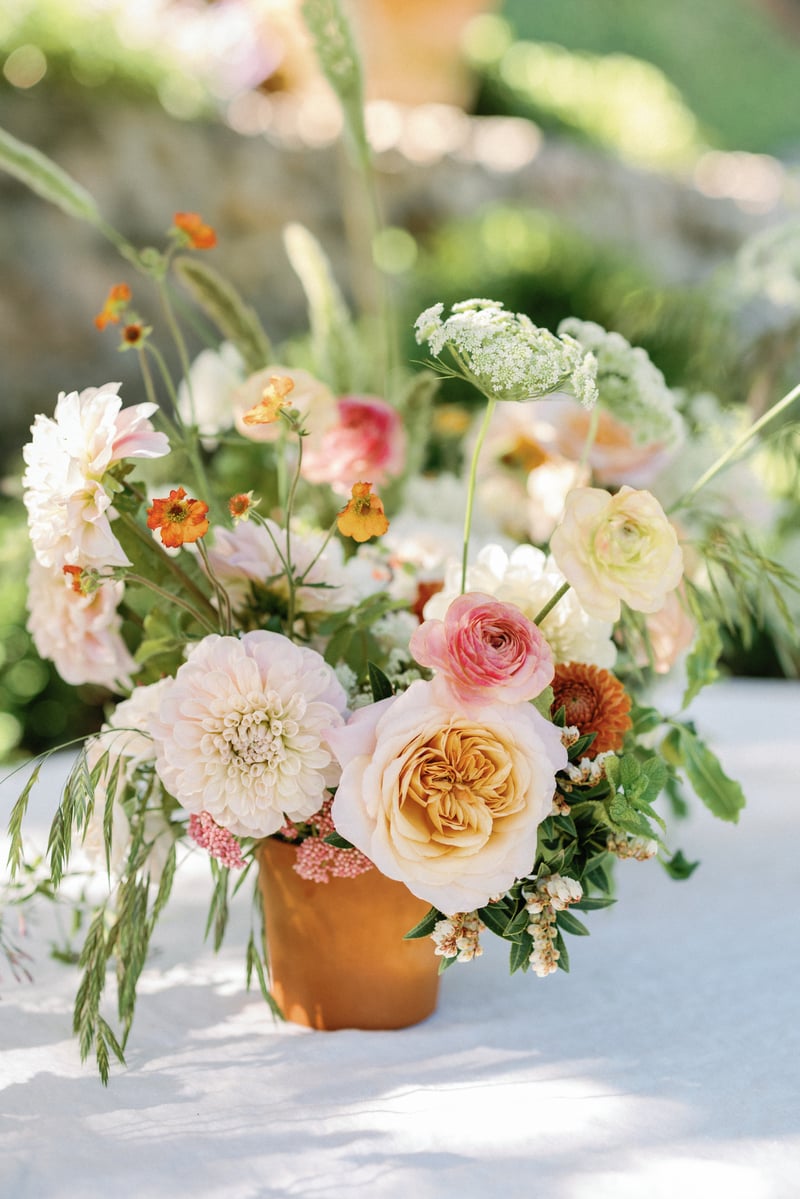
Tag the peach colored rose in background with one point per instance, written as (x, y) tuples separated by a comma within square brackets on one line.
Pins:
[(614, 455), (487, 650), (617, 547), (367, 442), (671, 631), (447, 802)]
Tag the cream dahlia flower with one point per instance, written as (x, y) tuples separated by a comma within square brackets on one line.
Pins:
[(69, 509), (79, 634), (528, 578), (241, 731)]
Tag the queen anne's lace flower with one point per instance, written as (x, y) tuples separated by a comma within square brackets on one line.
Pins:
[(509, 356), (66, 460), (241, 731), (629, 385), (528, 578)]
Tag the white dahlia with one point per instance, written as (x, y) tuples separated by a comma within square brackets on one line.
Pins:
[(241, 732)]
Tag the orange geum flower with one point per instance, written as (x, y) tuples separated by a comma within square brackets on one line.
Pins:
[(134, 334), (273, 399), (179, 519), (200, 235), (116, 301), (363, 516), (239, 505)]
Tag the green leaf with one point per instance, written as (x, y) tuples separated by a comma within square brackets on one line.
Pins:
[(223, 305), (379, 683), (425, 927), (336, 349), (336, 54), (701, 663), (544, 702), (570, 924), (495, 917), (254, 963), (337, 840), (521, 950), (721, 795), (49, 181), (678, 866), (563, 956), (591, 903)]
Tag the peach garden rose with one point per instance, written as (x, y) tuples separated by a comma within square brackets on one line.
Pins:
[(447, 802), (486, 649), (613, 548)]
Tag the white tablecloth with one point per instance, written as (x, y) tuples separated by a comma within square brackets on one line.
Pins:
[(666, 1064)]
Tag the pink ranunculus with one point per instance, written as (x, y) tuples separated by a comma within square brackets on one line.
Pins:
[(446, 800), (367, 442), (487, 650)]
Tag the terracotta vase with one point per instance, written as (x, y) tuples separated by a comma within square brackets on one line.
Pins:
[(336, 952)]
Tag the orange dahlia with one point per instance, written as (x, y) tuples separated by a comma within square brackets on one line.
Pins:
[(595, 701)]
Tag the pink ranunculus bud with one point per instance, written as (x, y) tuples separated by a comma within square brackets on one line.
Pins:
[(488, 651)]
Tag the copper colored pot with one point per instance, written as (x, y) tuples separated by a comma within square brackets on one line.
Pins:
[(336, 952)]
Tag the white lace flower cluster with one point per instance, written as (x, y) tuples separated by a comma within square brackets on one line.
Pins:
[(552, 894), (512, 358), (630, 387), (459, 936)]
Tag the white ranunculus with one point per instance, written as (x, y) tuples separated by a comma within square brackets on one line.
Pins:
[(206, 399), (241, 731), (445, 802), (614, 548)]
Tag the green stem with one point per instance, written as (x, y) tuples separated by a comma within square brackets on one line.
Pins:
[(180, 344), (473, 474), (170, 596), (736, 448), (189, 584), (223, 599), (591, 433), (551, 603), (184, 438), (289, 567), (301, 578)]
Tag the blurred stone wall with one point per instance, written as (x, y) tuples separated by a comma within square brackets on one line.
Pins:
[(142, 166)]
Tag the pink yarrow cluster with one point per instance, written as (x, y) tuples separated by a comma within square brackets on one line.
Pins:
[(318, 861), (215, 840)]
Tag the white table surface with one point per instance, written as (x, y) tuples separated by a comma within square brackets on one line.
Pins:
[(667, 1064)]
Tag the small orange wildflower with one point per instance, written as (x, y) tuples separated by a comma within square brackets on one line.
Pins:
[(363, 516), (133, 334), (239, 505), (595, 701), (273, 399), (201, 236), (178, 518), (74, 573), (116, 301)]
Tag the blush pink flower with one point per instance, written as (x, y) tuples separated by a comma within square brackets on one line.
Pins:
[(487, 650), (614, 548), (367, 442), (446, 801)]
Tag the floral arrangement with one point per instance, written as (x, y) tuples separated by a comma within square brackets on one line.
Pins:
[(285, 665)]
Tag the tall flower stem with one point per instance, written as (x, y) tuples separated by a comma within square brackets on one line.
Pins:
[(736, 448), (301, 578), (170, 596), (551, 603), (473, 475), (204, 606), (188, 442), (223, 599), (591, 434), (288, 516)]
